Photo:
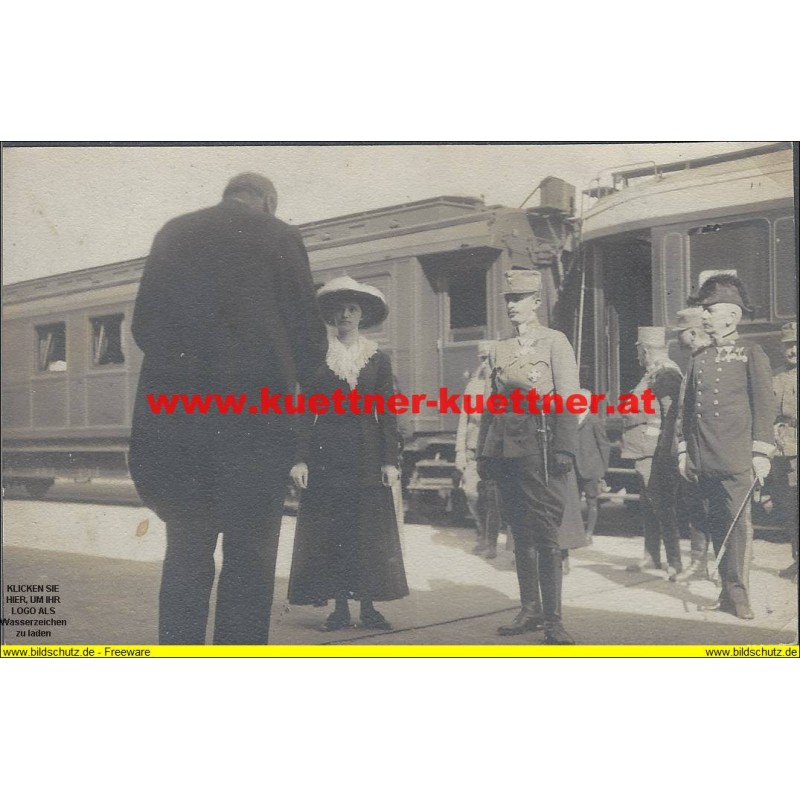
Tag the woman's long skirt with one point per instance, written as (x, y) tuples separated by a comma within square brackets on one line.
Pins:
[(347, 545)]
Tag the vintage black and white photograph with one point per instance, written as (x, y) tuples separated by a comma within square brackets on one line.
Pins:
[(400, 394)]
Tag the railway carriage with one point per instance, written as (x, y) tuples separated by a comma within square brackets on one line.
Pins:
[(654, 233), (647, 237), (650, 234), (70, 368), (70, 365)]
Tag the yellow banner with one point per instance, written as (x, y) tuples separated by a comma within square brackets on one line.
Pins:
[(401, 651)]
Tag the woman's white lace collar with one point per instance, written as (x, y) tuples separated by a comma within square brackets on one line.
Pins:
[(347, 362)]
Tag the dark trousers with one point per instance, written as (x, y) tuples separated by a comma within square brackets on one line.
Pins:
[(488, 508), (659, 508), (692, 518), (724, 497), (251, 481), (246, 580), (534, 514)]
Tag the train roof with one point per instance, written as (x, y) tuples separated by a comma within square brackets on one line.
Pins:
[(389, 221), (745, 180), (350, 229), (81, 280)]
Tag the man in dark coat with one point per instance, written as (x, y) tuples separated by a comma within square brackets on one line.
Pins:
[(226, 305), (726, 433)]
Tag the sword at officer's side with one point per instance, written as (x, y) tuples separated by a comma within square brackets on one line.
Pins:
[(544, 439), (718, 560)]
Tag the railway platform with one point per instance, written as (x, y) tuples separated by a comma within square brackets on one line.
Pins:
[(106, 562)]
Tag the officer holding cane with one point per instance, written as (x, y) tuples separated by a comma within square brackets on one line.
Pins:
[(726, 437)]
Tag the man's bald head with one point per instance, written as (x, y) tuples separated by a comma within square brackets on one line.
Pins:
[(253, 189)]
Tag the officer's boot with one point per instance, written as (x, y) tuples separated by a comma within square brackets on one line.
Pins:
[(530, 616), (550, 579)]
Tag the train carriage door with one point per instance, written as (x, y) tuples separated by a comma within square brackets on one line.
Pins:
[(461, 281), (627, 281)]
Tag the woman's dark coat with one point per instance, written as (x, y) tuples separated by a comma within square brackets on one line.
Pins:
[(346, 540)]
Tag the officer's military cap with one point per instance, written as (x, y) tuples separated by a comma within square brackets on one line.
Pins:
[(723, 289), (522, 281), (652, 337)]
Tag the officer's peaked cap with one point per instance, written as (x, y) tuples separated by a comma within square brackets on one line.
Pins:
[(522, 281), (652, 337)]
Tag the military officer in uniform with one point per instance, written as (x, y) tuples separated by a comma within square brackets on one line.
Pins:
[(650, 440), (728, 413), (526, 452), (481, 495), (784, 477), (693, 337)]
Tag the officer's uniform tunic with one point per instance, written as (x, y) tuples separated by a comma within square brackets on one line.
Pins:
[(467, 437), (541, 359), (727, 416)]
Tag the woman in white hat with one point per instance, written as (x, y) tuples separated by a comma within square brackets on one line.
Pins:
[(346, 543)]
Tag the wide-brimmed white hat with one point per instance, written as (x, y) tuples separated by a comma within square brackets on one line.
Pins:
[(374, 308)]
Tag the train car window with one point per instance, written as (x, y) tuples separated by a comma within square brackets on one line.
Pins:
[(51, 345), (785, 268), (466, 289), (741, 247), (107, 340)]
